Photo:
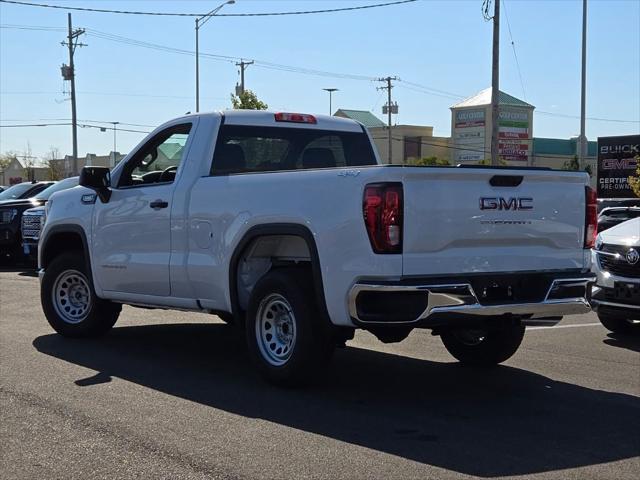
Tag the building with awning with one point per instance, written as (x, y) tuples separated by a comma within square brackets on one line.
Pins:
[(471, 129)]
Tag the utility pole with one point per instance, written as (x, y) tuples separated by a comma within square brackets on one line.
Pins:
[(389, 108), (68, 73), (243, 65), (197, 67), (583, 138), (330, 90), (495, 84)]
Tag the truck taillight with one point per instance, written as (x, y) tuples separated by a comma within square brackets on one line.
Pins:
[(382, 209), (591, 218)]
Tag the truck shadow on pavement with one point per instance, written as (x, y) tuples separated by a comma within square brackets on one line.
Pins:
[(630, 342), (502, 421)]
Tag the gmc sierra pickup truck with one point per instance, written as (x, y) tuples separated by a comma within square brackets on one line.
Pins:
[(289, 226)]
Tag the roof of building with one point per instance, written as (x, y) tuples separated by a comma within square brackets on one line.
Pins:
[(366, 118), (561, 146), (484, 98)]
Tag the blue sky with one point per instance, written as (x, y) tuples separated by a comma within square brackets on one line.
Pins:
[(442, 45)]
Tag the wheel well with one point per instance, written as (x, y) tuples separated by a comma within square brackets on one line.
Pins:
[(261, 255), (61, 242)]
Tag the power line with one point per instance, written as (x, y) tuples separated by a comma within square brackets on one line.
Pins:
[(32, 27), (428, 92), (596, 119), (225, 58), (36, 125), (258, 63), (82, 125), (86, 125), (115, 94), (513, 46), (80, 120), (177, 14), (536, 111), (416, 87)]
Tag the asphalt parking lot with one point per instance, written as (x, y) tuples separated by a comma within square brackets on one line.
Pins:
[(172, 395)]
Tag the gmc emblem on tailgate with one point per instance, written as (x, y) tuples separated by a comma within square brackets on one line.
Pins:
[(501, 203)]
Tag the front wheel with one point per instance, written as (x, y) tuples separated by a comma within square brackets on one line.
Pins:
[(483, 347), (286, 337), (69, 301)]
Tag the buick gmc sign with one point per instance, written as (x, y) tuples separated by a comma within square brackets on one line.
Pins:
[(617, 161)]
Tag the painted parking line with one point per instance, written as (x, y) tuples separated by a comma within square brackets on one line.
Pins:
[(573, 325)]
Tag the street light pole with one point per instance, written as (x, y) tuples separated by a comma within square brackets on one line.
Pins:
[(114, 135), (582, 151), (330, 90), (200, 21)]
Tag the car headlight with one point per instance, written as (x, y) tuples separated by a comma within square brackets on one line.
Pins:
[(599, 242), (7, 216)]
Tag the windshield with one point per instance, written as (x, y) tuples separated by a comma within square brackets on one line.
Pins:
[(16, 191), (56, 187)]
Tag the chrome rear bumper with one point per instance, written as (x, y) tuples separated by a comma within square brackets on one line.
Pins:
[(446, 303)]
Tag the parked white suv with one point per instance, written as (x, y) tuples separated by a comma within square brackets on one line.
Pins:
[(288, 225), (616, 297)]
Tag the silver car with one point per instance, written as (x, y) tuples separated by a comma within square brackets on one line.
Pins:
[(616, 262)]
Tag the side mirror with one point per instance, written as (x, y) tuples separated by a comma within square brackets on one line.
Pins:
[(97, 179)]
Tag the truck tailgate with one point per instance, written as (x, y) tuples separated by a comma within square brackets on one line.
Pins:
[(456, 221)]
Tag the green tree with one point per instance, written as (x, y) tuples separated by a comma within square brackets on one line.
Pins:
[(52, 162), (487, 161), (429, 161), (247, 100), (6, 158), (634, 180), (574, 165)]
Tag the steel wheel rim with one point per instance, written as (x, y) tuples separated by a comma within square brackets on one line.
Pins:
[(72, 296), (470, 337), (275, 329)]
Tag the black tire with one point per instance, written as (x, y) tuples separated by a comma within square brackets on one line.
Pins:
[(311, 344), (496, 346), (94, 316), (617, 324)]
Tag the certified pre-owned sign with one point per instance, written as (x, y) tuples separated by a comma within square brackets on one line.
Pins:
[(617, 161)]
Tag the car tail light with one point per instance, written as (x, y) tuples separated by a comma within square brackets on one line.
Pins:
[(382, 209), (591, 218), (295, 118)]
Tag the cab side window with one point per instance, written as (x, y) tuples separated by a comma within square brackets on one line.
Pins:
[(157, 161)]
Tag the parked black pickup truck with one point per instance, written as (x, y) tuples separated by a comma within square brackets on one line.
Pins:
[(21, 197)]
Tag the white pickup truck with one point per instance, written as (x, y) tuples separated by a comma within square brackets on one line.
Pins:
[(289, 226)]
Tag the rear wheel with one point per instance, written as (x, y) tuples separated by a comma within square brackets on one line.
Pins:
[(286, 337), (485, 347), (618, 324), (70, 302)]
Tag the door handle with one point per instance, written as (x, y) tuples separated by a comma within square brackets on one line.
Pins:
[(159, 204)]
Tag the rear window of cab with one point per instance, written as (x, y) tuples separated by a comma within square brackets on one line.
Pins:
[(245, 149)]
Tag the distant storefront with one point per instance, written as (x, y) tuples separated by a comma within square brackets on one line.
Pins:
[(471, 129)]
